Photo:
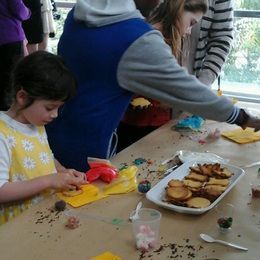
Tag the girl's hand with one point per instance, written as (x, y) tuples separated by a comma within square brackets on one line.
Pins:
[(77, 174), (66, 180)]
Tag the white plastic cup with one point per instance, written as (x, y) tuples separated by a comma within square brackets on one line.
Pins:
[(146, 228), (224, 213)]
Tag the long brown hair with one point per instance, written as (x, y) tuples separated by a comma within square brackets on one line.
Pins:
[(169, 14)]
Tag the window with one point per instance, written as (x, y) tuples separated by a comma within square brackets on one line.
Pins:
[(241, 73)]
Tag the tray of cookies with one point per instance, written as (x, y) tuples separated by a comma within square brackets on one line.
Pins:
[(195, 187)]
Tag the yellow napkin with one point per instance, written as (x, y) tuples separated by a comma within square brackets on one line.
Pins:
[(90, 194), (242, 136), (106, 256), (124, 183)]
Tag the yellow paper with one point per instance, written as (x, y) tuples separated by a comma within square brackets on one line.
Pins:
[(242, 136), (90, 194), (106, 256), (125, 182)]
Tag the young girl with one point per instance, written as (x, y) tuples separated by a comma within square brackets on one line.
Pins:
[(41, 84), (174, 19)]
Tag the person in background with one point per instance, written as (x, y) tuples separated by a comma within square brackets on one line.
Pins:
[(203, 53), (174, 19), (113, 52), (12, 13), (48, 23), (40, 26), (40, 85), (55, 12), (206, 49), (33, 27)]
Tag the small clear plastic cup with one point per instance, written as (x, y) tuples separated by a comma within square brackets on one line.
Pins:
[(225, 214), (146, 228)]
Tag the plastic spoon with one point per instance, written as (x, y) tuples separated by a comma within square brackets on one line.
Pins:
[(136, 215), (210, 239), (251, 165)]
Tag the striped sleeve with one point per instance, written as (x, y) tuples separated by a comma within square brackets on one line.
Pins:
[(215, 40), (234, 116)]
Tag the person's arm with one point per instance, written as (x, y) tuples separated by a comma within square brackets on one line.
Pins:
[(219, 40), (149, 68), (18, 9), (13, 191), (19, 190), (58, 166)]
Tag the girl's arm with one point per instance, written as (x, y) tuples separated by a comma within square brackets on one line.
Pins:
[(58, 166), (13, 191), (19, 190)]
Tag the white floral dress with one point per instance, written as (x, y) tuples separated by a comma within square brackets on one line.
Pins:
[(30, 157)]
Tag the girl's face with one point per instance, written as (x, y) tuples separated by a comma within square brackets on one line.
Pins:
[(40, 112), (188, 20)]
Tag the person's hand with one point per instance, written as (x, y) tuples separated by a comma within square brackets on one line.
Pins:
[(66, 180), (252, 122), (78, 174)]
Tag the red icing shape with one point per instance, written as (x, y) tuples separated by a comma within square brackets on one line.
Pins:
[(105, 173)]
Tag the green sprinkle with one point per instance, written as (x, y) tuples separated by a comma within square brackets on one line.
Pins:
[(123, 167), (117, 221)]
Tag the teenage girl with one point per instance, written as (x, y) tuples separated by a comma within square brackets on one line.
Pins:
[(174, 19), (28, 172)]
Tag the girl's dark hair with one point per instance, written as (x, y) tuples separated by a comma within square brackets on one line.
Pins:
[(169, 14), (43, 76)]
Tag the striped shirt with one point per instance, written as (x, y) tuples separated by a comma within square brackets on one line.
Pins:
[(206, 50)]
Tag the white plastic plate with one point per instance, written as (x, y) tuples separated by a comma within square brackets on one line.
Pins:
[(157, 193)]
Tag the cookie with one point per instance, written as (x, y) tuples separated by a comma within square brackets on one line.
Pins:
[(177, 193), (214, 190), (72, 193), (198, 202), (175, 183), (214, 181), (192, 184), (222, 173), (196, 177)]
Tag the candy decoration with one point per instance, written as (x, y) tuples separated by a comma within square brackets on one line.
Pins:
[(73, 222), (225, 222), (144, 186), (60, 205), (145, 239), (139, 161)]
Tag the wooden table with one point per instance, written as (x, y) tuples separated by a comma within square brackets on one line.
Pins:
[(31, 236)]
